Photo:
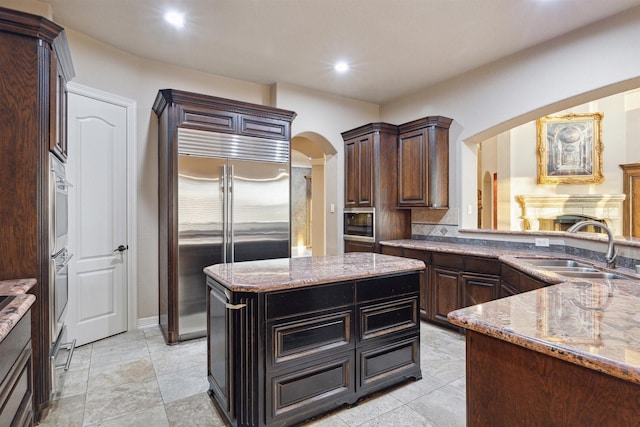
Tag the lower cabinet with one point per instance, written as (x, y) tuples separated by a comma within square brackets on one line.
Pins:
[(281, 357), (356, 246), (513, 282), (446, 294), (16, 376)]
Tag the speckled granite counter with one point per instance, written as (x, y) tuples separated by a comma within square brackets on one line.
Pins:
[(17, 306), (285, 273), (592, 324)]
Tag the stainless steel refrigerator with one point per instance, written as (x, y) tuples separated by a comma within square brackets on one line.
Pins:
[(229, 210)]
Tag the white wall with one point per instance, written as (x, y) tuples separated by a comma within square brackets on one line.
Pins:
[(590, 63), (106, 68), (328, 116)]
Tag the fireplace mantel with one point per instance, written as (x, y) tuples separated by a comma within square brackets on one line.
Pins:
[(600, 207)]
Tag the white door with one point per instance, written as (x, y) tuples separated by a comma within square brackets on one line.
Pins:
[(97, 169)]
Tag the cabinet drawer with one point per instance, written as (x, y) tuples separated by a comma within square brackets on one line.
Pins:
[(16, 392), (380, 366), (418, 254), (207, 119), (453, 261), (387, 287), (308, 337), (387, 318), (264, 128), (14, 343), (482, 265), (324, 385), (391, 250), (308, 300)]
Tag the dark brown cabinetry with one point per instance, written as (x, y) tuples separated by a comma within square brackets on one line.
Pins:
[(423, 163), (355, 246), (513, 282), (452, 281), (16, 376), (281, 357), (511, 385), (371, 153), (205, 134), (34, 56), (358, 173)]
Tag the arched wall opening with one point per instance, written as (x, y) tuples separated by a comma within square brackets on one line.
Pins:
[(310, 151)]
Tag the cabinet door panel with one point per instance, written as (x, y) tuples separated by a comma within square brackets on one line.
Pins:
[(264, 128), (479, 289), (377, 363), (308, 337), (365, 176), (387, 318), (350, 174), (293, 396), (446, 294), (207, 119), (412, 177)]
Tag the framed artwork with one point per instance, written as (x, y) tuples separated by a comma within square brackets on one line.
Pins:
[(570, 149)]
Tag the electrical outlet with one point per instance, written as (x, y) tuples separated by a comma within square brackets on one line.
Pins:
[(542, 241)]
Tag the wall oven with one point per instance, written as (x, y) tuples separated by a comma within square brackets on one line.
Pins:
[(59, 206), (359, 224), (61, 350)]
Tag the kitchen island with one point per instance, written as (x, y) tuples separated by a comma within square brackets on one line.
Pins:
[(292, 338), (567, 354)]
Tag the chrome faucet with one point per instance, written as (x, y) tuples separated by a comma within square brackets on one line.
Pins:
[(612, 251)]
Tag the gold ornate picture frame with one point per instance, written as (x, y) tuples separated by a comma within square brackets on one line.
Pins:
[(570, 149)]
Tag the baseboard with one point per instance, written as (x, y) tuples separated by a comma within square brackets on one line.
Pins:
[(147, 322)]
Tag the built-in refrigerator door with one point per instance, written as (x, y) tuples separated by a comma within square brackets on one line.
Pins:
[(259, 210), (201, 202)]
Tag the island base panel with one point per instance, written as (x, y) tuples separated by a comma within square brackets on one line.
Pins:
[(510, 385)]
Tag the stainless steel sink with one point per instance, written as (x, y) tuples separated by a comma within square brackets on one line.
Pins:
[(560, 270), (552, 262), (592, 275)]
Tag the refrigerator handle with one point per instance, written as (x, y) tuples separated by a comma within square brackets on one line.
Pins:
[(231, 233), (225, 232)]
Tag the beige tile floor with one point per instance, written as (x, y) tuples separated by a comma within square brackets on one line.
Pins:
[(134, 379)]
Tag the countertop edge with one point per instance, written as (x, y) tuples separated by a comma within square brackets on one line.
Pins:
[(291, 273), (13, 312), (599, 364)]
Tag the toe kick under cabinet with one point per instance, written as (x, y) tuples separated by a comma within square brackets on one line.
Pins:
[(284, 356)]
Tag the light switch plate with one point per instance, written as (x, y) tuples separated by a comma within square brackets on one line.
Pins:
[(542, 241)]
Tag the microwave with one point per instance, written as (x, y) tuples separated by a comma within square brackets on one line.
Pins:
[(359, 224)]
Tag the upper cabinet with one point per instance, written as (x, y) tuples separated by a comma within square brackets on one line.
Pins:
[(61, 73), (358, 172), (423, 163)]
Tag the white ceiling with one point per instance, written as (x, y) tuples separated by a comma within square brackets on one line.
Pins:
[(395, 47)]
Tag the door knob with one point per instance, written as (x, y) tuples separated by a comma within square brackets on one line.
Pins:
[(121, 248)]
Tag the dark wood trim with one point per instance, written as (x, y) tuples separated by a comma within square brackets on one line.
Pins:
[(174, 96), (510, 385), (631, 205), (29, 25)]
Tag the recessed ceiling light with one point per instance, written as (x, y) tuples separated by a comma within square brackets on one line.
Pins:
[(174, 18), (341, 67)]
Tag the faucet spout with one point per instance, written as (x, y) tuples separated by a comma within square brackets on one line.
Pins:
[(612, 251)]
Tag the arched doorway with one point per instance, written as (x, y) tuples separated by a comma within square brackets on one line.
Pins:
[(309, 153)]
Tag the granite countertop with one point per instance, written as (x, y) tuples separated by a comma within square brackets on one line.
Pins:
[(508, 256), (20, 303), (595, 324), (285, 273)]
